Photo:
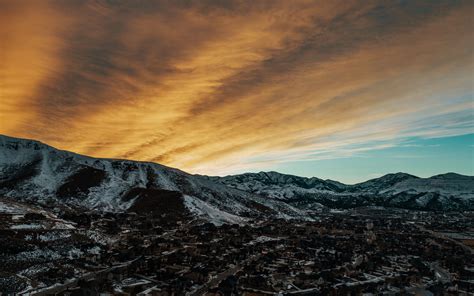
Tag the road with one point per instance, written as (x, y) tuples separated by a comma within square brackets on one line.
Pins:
[(442, 236)]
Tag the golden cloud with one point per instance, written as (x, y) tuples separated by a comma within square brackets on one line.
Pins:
[(208, 85)]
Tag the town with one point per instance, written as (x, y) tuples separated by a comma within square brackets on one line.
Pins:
[(369, 251)]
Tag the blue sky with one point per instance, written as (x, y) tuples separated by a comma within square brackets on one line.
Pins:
[(417, 156)]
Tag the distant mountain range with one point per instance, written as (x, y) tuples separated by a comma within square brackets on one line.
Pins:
[(35, 172), (441, 192)]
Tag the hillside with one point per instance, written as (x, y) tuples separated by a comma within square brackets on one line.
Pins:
[(35, 172)]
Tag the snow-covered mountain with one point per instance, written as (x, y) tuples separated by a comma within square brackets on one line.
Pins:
[(35, 172), (442, 192), (280, 186)]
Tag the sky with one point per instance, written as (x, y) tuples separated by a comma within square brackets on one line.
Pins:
[(346, 90)]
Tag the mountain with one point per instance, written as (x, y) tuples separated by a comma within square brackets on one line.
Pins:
[(278, 186), (382, 183), (35, 172), (442, 192)]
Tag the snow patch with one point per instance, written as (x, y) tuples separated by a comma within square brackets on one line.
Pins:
[(214, 215), (27, 226)]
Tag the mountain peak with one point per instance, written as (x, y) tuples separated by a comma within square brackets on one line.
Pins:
[(16, 143), (398, 175), (451, 176), (35, 172)]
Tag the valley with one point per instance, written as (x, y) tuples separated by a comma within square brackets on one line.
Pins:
[(76, 225)]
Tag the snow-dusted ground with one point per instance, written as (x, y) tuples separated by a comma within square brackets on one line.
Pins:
[(8, 207), (27, 226), (202, 209)]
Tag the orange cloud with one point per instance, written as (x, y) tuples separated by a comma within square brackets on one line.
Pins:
[(209, 86)]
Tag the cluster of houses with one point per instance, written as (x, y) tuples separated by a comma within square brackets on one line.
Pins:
[(343, 253)]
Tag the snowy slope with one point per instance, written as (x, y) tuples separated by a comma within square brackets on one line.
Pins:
[(30, 170), (279, 186), (442, 192)]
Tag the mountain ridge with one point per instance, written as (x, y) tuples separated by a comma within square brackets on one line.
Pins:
[(437, 176), (3, 137), (36, 172)]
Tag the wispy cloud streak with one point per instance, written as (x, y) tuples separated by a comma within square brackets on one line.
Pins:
[(220, 86)]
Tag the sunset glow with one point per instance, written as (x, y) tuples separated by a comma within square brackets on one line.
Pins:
[(218, 87)]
